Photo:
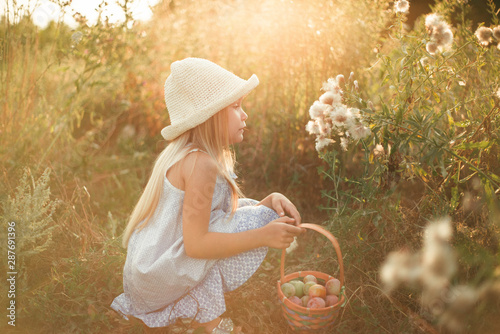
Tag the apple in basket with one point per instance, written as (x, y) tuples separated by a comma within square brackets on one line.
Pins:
[(305, 300), (296, 300), (316, 302), (288, 290), (317, 290), (299, 288), (333, 287)]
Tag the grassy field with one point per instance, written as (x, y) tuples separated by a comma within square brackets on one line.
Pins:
[(80, 119)]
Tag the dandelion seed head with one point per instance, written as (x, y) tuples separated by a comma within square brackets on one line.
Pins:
[(484, 35), (402, 6)]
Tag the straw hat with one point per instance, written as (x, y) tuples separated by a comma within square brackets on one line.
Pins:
[(197, 89)]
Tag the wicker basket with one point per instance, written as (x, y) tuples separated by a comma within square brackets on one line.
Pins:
[(301, 318)]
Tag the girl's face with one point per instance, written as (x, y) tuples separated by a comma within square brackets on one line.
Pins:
[(236, 122)]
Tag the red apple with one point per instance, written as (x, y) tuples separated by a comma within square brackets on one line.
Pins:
[(316, 302), (317, 290)]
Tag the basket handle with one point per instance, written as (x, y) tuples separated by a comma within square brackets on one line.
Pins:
[(330, 237)]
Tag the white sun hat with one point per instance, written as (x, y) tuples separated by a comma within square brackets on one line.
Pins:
[(197, 89)]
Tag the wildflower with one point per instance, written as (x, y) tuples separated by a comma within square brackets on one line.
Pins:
[(402, 6), (351, 76), (399, 267), (330, 98), (293, 246), (312, 127), (484, 35), (344, 142), (359, 131), (498, 91), (496, 33), (356, 86), (322, 142)]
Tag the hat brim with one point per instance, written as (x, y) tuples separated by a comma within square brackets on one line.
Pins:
[(173, 131)]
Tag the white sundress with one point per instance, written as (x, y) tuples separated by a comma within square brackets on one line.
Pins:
[(161, 283)]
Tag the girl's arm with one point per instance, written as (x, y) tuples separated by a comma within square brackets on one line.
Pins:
[(200, 176), (282, 205)]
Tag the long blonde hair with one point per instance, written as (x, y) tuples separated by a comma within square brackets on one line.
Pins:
[(212, 137)]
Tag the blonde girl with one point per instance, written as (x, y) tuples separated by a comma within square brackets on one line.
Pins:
[(192, 237)]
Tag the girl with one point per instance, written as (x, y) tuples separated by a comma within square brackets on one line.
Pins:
[(191, 238)]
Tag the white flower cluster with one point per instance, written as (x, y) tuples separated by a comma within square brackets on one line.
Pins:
[(487, 36), (329, 116), (440, 34), (402, 6)]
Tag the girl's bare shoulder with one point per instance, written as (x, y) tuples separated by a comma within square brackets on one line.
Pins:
[(199, 166)]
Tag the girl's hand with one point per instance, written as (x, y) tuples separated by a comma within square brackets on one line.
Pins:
[(280, 232), (283, 205)]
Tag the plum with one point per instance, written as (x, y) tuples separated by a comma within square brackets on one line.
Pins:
[(316, 302), (288, 290), (310, 278), (307, 286), (333, 287), (331, 300), (317, 290), (299, 288), (296, 300)]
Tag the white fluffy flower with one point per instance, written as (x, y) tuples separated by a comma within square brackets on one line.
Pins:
[(484, 35), (318, 109), (359, 131), (322, 142), (293, 246), (498, 93), (496, 33), (332, 85), (402, 6), (432, 20), (312, 127), (341, 116)]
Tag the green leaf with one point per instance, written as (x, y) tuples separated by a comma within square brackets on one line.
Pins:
[(468, 146)]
